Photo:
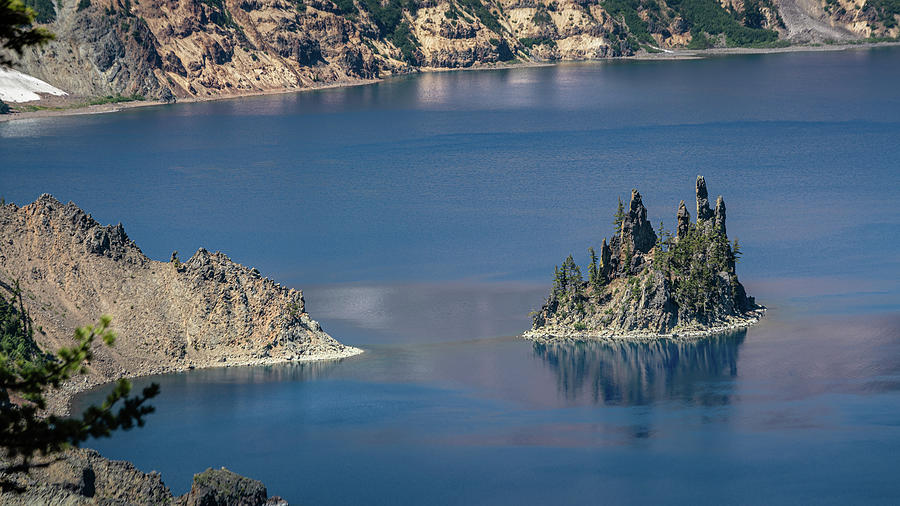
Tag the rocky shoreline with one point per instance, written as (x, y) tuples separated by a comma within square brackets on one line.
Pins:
[(175, 316), (207, 311), (65, 108), (59, 402), (80, 476), (558, 334)]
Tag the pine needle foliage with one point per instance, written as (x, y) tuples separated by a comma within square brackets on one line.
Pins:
[(26, 376), (693, 263), (16, 30)]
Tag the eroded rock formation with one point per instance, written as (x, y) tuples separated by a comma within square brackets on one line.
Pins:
[(720, 215), (655, 285), (637, 232), (703, 211), (683, 218)]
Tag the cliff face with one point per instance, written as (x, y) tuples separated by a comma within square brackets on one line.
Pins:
[(169, 316), (197, 48), (650, 284)]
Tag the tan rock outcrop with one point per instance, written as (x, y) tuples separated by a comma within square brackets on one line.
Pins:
[(168, 49), (207, 311)]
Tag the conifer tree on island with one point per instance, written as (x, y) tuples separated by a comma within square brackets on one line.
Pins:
[(652, 284)]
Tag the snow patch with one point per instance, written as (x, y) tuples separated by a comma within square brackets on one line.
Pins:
[(18, 87)]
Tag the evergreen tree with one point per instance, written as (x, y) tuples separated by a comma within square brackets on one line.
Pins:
[(619, 218), (560, 281), (664, 243), (16, 31), (28, 374), (753, 16), (574, 272), (593, 270), (573, 275), (627, 254)]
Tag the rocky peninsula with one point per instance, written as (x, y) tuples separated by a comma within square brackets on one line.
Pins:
[(649, 284), (208, 311), (171, 316)]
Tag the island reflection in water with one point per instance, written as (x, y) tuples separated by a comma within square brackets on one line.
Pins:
[(639, 373)]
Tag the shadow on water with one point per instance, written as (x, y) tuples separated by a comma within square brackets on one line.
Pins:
[(300, 371), (632, 374), (211, 386)]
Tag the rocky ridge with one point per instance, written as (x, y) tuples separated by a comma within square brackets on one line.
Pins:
[(82, 477), (208, 311), (648, 284), (170, 49)]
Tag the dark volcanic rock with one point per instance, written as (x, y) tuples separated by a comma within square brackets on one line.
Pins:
[(108, 240), (305, 50), (359, 63), (637, 232), (82, 477), (457, 31), (703, 211), (606, 267), (217, 53), (720, 215), (172, 63), (221, 487), (684, 221)]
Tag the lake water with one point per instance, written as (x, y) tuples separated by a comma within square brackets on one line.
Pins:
[(422, 217)]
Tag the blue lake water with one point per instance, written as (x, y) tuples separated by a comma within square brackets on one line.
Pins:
[(422, 217)]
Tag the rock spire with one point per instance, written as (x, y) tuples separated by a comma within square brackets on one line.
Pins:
[(605, 260), (720, 215), (703, 211), (637, 232), (684, 221)]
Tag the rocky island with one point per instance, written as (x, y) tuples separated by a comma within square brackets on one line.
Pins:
[(649, 284)]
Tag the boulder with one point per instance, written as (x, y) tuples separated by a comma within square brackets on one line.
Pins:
[(221, 487)]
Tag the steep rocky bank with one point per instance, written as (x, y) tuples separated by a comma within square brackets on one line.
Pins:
[(648, 283), (169, 49), (82, 477), (205, 312)]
